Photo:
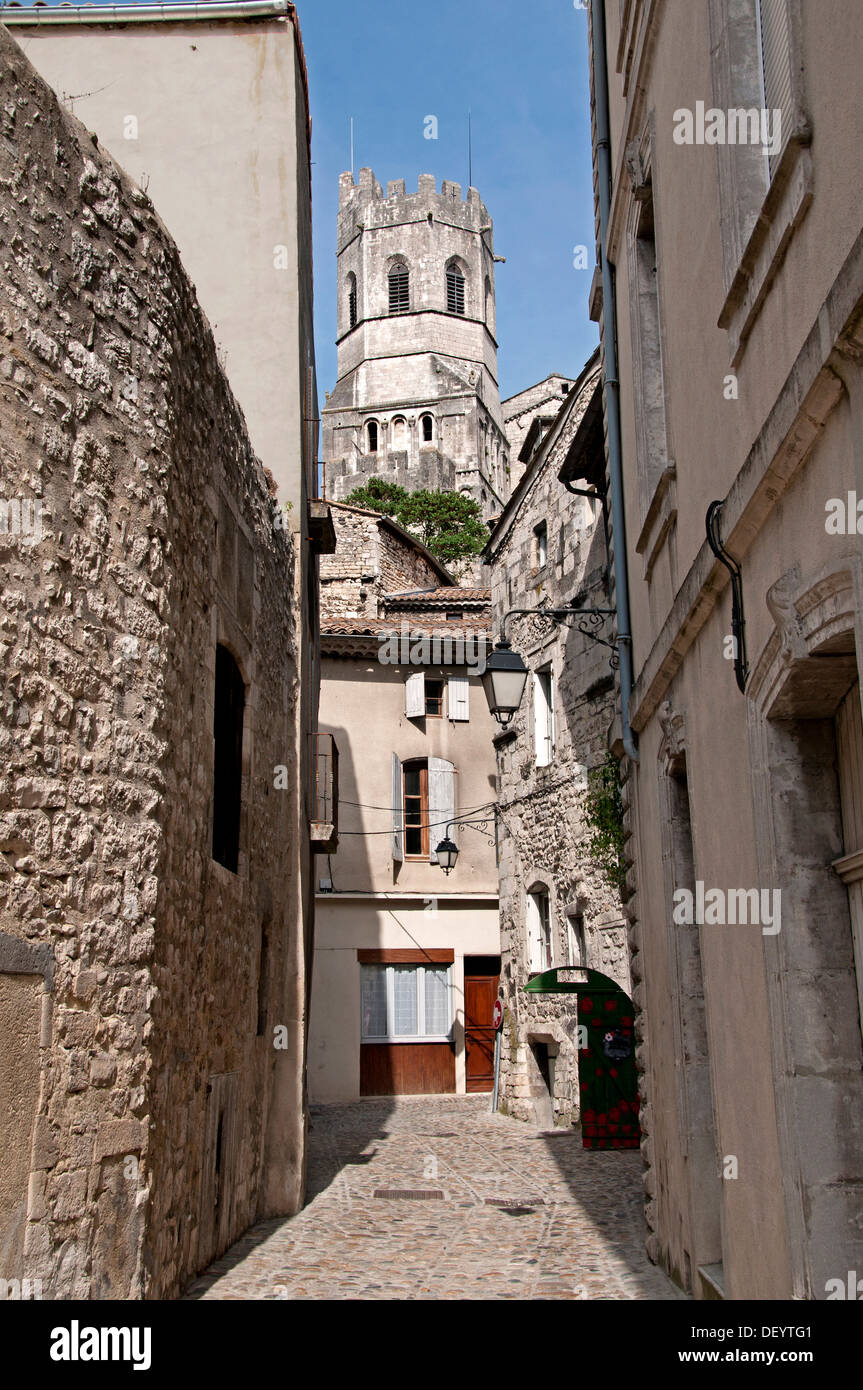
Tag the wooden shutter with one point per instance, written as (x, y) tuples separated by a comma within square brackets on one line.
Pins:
[(397, 811), (775, 31), (459, 698), (415, 695), (441, 801)]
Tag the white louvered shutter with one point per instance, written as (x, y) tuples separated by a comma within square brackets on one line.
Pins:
[(543, 718), (415, 695), (775, 35), (398, 811), (441, 801), (459, 698), (534, 933)]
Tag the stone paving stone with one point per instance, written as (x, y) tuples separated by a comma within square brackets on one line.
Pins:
[(582, 1239)]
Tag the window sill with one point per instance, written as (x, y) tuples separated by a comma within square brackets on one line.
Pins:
[(432, 1038), (785, 205), (661, 517)]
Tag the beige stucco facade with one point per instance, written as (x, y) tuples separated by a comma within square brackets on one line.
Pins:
[(739, 299), (376, 894)]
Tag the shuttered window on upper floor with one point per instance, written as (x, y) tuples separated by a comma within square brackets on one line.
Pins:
[(399, 283), (454, 290)]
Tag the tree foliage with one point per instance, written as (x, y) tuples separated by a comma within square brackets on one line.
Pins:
[(603, 815), (449, 523)]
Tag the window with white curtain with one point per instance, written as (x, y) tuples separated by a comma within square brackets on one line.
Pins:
[(406, 1002)]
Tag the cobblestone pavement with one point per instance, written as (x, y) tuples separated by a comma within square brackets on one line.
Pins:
[(524, 1213)]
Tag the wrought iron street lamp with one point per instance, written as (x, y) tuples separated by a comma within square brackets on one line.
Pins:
[(447, 854), (503, 681), (505, 674)]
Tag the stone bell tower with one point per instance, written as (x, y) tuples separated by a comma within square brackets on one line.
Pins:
[(416, 401)]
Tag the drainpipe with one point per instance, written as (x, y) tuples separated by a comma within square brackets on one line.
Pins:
[(612, 384), (143, 14)]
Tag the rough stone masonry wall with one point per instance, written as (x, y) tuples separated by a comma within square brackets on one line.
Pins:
[(369, 560), (115, 416), (544, 839)]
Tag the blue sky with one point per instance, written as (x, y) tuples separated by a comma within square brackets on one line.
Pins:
[(521, 69)]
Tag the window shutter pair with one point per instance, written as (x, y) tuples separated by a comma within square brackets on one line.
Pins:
[(458, 702), (441, 804)]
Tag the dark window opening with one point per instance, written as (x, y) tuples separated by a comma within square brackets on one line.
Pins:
[(228, 711), (454, 615), (454, 290), (372, 431), (352, 300), (416, 804), (428, 429), (434, 699), (399, 281)]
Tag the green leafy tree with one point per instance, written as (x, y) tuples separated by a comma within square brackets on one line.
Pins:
[(380, 496), (603, 815), (449, 523)]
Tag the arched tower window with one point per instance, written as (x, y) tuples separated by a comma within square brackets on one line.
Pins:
[(399, 283), (372, 436), (454, 289), (489, 305), (228, 710), (427, 424), (352, 300), (400, 433)]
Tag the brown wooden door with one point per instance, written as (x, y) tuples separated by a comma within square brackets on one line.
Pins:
[(481, 976)]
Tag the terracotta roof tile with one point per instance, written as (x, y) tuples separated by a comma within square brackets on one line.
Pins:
[(373, 627), (444, 596)]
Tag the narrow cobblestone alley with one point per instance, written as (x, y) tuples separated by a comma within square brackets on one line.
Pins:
[(516, 1213)]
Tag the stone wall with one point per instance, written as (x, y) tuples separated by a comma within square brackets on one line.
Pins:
[(157, 541), (543, 836), (519, 411), (372, 557)]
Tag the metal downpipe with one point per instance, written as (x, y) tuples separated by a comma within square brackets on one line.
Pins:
[(612, 384)]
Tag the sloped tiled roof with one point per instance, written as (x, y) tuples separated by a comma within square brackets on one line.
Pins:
[(373, 627), (443, 597)]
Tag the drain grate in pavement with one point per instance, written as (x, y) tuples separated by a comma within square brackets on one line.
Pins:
[(515, 1201), (409, 1194)]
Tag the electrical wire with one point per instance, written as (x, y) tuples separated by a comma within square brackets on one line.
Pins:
[(368, 806)]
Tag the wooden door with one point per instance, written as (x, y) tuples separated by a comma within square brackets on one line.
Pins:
[(481, 976)]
